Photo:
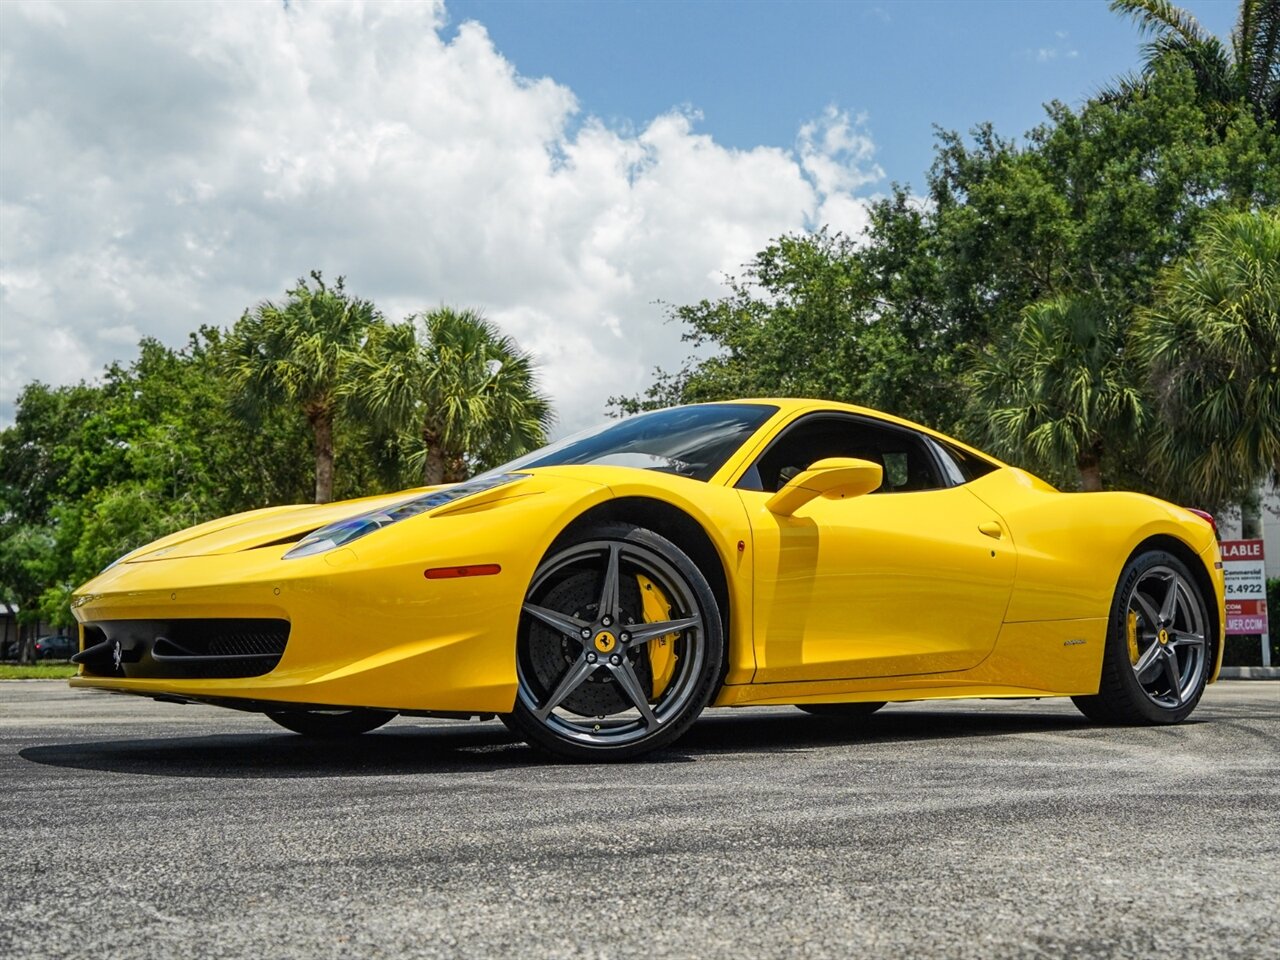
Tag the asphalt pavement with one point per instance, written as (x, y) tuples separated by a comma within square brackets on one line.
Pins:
[(967, 829)]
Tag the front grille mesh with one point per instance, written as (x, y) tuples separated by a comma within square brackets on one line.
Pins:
[(246, 643), (187, 648)]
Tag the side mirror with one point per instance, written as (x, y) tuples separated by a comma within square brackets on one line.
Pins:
[(835, 478)]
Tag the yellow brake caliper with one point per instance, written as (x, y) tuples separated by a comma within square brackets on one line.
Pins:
[(662, 650), (1133, 636)]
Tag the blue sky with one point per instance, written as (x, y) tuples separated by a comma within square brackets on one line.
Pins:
[(567, 168), (755, 70)]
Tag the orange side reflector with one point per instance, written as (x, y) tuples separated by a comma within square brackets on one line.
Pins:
[(450, 573)]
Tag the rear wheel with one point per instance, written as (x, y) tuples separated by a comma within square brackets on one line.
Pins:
[(847, 711), (1156, 660), (619, 646), (331, 724)]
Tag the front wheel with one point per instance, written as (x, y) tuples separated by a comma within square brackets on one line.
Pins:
[(1156, 661), (619, 646), (331, 724)]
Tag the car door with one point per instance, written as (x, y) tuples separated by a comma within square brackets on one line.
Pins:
[(912, 579)]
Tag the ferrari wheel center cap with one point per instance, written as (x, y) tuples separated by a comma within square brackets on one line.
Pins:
[(1164, 636), (605, 641)]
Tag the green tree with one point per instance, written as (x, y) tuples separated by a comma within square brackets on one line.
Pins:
[(299, 355), (37, 454), (25, 552), (1073, 231), (1211, 341), (1061, 391), (1080, 218), (89, 472), (453, 389), (817, 315), (57, 438), (799, 297), (1245, 70)]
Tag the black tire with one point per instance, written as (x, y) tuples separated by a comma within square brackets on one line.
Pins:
[(583, 662), (331, 725), (1141, 629), (845, 711)]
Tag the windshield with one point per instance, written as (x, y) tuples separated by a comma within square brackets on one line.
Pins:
[(691, 441)]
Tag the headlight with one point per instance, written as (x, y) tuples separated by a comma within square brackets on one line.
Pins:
[(353, 528)]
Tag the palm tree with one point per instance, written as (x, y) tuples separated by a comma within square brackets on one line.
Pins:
[(300, 354), (1248, 71), (1212, 343), (467, 393), (1062, 391)]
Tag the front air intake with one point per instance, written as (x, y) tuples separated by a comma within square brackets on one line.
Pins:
[(187, 649)]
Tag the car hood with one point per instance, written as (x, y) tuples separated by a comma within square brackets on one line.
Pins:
[(273, 526), (280, 527)]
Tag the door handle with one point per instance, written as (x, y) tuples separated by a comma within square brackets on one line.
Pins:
[(991, 529)]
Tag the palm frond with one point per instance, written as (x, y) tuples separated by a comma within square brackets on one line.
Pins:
[(1161, 16)]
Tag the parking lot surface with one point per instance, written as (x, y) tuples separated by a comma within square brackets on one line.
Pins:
[(965, 829)]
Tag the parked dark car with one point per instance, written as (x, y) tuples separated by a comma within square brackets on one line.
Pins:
[(55, 648)]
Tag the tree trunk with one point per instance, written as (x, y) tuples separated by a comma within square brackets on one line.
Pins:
[(433, 466), (1251, 517), (1090, 471), (455, 470), (322, 424), (26, 643)]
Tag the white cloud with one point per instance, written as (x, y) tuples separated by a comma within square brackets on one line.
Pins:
[(168, 165), (1061, 49)]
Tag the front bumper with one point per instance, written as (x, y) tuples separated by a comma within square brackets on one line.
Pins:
[(359, 634)]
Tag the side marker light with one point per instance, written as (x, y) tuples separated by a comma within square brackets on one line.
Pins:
[(452, 573)]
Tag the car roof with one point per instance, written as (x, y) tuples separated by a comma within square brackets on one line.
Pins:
[(795, 405)]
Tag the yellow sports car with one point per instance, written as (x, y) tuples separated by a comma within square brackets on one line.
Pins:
[(598, 593)]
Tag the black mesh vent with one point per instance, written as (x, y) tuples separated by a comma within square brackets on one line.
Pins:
[(185, 649)]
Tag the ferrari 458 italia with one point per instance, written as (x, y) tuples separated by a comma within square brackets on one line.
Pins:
[(599, 593)]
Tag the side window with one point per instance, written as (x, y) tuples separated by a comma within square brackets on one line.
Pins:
[(908, 463), (960, 466), (897, 472)]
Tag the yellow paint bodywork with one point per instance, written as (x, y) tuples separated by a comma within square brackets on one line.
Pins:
[(998, 587)]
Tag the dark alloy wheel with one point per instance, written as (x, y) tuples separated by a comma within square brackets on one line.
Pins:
[(619, 646), (331, 724), (1157, 657), (846, 711)]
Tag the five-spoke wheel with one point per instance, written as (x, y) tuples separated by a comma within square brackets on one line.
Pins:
[(1158, 643), (1165, 636), (619, 647)]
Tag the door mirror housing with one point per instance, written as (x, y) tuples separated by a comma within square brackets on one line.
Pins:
[(836, 478)]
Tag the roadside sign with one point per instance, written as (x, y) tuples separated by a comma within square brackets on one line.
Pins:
[(1243, 563)]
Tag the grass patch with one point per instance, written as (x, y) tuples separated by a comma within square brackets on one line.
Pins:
[(37, 671)]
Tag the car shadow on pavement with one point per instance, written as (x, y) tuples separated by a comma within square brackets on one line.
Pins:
[(746, 731), (405, 748), (395, 751)]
